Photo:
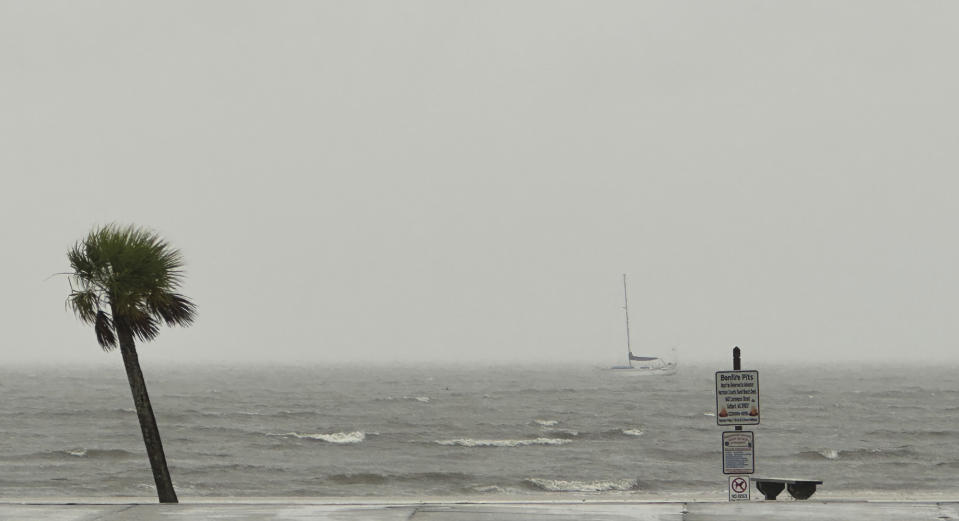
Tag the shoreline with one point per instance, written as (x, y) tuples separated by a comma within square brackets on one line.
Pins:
[(385, 509), (457, 500)]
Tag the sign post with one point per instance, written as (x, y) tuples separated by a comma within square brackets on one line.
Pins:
[(737, 404)]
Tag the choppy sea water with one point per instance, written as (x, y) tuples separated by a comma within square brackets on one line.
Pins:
[(454, 431)]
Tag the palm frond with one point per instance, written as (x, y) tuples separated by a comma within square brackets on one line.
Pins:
[(103, 327), (172, 308), (145, 328), (85, 305), (140, 324)]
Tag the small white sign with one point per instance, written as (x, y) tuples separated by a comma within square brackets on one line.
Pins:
[(738, 488), (737, 397), (738, 452)]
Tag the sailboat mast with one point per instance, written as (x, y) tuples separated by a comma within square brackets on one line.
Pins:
[(629, 350)]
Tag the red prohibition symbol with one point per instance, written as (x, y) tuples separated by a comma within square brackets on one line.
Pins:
[(739, 485)]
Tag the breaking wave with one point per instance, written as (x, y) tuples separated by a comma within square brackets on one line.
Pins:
[(562, 433), (421, 399), (858, 454), (558, 485), (546, 423), (375, 478), (829, 453), (614, 434), (339, 438), (80, 452), (490, 489), (469, 442), (99, 453)]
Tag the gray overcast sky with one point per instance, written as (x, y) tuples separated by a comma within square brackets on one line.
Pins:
[(378, 181)]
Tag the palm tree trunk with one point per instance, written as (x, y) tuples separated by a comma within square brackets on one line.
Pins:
[(148, 424)]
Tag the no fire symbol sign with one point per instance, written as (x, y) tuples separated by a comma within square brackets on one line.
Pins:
[(738, 488)]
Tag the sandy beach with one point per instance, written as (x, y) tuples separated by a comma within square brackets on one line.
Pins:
[(124, 509)]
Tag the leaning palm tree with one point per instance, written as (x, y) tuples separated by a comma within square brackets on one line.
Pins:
[(124, 284)]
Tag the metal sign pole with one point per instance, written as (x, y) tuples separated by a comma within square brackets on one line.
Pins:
[(737, 365)]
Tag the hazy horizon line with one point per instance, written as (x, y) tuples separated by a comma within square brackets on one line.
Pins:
[(443, 364)]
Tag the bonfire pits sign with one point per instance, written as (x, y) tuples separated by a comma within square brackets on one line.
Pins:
[(737, 397)]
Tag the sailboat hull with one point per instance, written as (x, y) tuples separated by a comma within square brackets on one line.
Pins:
[(645, 371)]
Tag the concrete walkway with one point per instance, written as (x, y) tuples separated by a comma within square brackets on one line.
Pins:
[(492, 511)]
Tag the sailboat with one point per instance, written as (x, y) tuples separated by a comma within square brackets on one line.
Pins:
[(645, 365)]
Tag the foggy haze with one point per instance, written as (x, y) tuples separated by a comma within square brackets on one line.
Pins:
[(466, 182)]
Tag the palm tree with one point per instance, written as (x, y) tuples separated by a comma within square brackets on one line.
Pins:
[(124, 284)]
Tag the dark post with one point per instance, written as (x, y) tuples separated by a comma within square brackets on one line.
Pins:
[(737, 365)]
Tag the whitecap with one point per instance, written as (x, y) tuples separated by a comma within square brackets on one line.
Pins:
[(80, 453), (830, 453), (709, 414), (633, 432), (489, 489), (558, 485), (336, 437), (496, 489), (469, 442), (424, 399), (546, 423)]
